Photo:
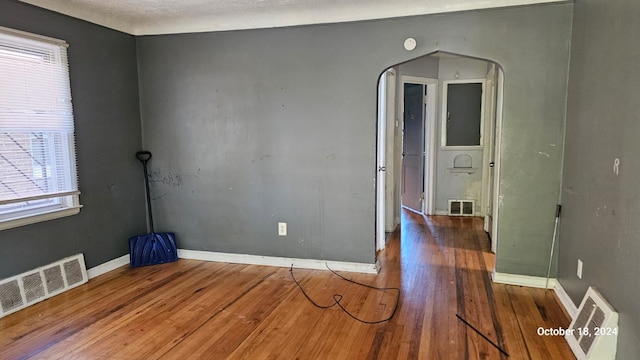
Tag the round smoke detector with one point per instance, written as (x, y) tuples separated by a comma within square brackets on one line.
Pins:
[(410, 44)]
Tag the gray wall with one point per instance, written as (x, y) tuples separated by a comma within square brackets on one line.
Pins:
[(250, 128), (426, 67), (105, 100), (600, 219)]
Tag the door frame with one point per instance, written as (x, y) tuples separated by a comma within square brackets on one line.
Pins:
[(497, 158), (381, 148), (488, 156), (491, 183), (429, 135)]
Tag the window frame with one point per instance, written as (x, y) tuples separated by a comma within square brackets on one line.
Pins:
[(66, 201), (443, 122)]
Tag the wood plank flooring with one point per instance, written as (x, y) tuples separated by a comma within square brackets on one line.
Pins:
[(204, 310)]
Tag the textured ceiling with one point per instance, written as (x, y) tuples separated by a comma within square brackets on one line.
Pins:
[(144, 17)]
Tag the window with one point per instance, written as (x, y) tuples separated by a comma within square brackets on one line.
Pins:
[(38, 178), (463, 113)]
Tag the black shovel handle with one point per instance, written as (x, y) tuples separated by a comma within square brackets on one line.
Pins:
[(144, 157)]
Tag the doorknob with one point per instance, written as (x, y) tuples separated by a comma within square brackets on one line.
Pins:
[(492, 164)]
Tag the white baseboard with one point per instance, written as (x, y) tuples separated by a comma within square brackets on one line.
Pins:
[(566, 301), (277, 261), (108, 266), (523, 280), (246, 259), (442, 212), (539, 282)]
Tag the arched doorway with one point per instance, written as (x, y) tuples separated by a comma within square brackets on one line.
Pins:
[(418, 128)]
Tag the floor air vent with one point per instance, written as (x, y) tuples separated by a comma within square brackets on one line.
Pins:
[(461, 207), (593, 334), (34, 286)]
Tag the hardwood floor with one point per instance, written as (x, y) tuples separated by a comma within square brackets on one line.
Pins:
[(204, 310)]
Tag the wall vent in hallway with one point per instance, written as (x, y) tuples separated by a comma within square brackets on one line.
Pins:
[(461, 207), (593, 333), (42, 283)]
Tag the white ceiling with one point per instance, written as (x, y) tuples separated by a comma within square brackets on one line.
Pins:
[(145, 17)]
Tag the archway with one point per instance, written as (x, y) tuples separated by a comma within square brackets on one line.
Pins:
[(442, 181)]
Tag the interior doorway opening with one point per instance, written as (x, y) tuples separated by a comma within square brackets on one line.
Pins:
[(439, 120), (418, 103)]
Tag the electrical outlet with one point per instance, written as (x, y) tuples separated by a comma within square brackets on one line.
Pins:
[(579, 272), (282, 229)]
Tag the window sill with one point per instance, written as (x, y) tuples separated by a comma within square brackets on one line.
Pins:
[(43, 216)]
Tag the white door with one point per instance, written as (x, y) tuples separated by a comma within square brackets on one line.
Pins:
[(381, 162), (489, 155), (492, 154), (493, 232)]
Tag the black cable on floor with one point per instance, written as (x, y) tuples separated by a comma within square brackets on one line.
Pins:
[(481, 334), (338, 297)]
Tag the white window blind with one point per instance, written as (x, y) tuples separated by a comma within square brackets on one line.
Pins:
[(37, 146)]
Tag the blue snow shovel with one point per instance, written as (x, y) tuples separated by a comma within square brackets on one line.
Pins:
[(153, 248)]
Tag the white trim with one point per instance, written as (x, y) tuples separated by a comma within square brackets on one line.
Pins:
[(32, 36), (489, 143), (276, 261), (565, 300), (390, 157), (429, 138), (108, 266), (523, 280), (45, 216), (381, 163), (430, 146), (497, 158), (40, 197), (418, 80)]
